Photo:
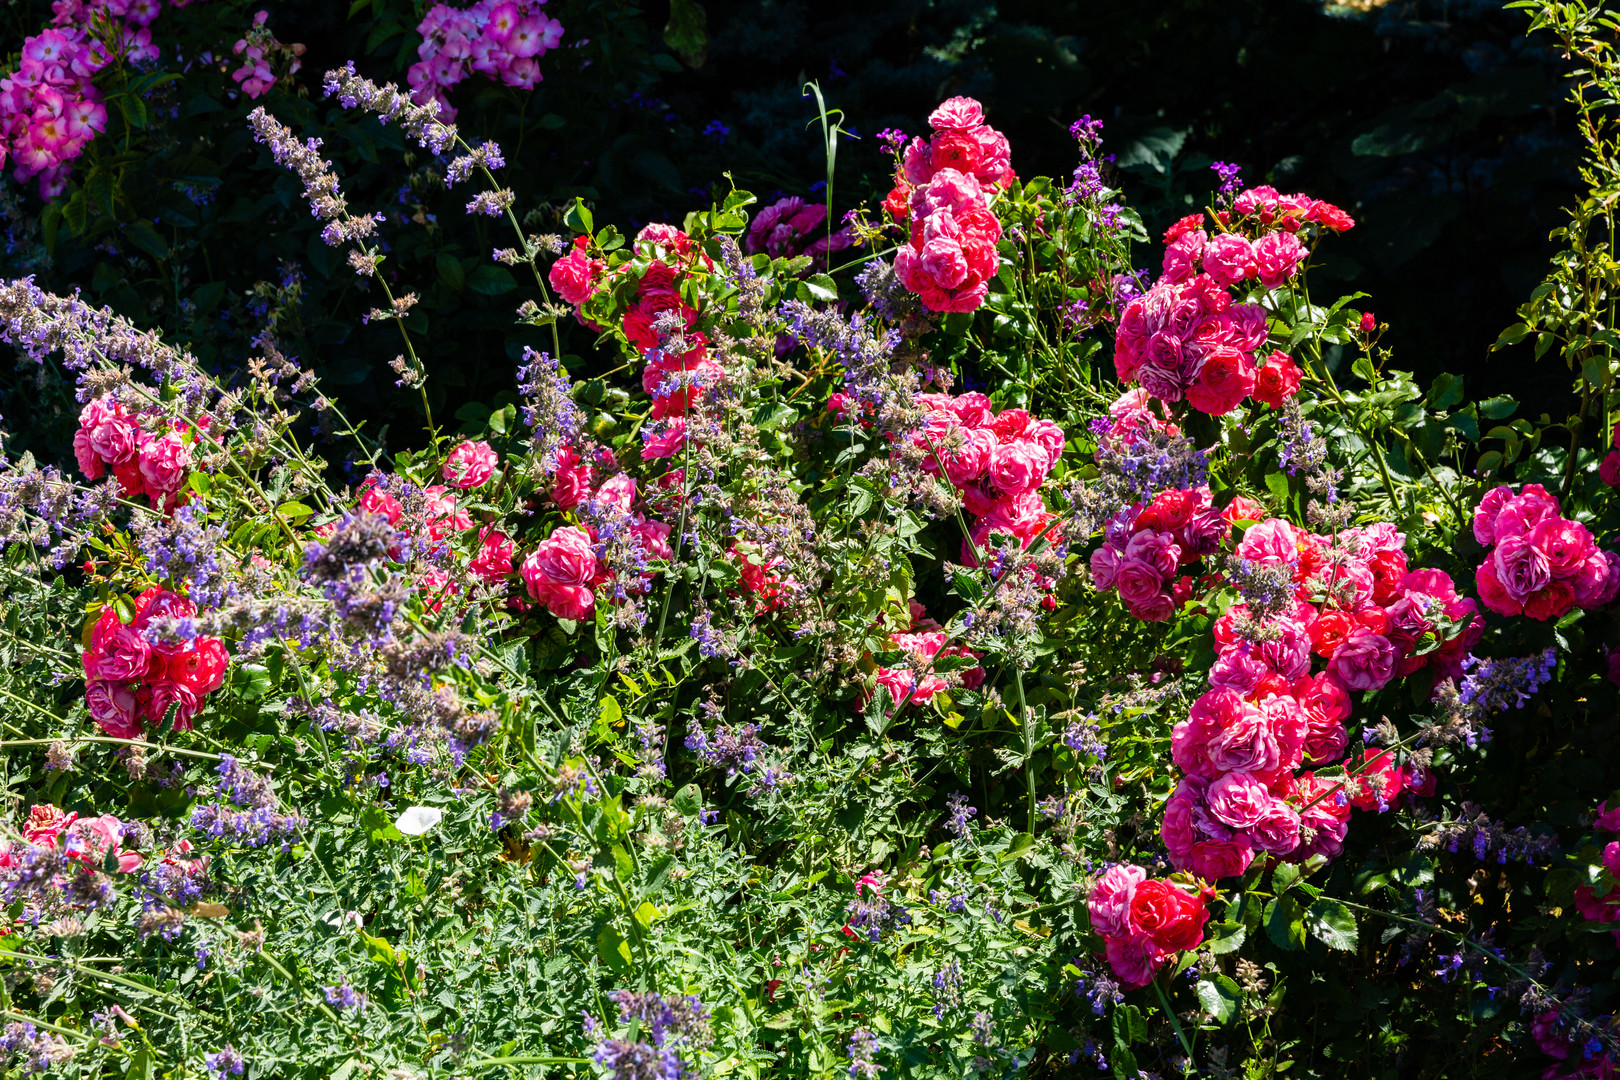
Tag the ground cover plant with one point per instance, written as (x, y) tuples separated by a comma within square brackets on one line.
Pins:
[(906, 641)]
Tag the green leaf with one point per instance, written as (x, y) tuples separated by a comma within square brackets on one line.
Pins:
[(1219, 998), (1225, 937), (378, 949), (688, 800), (294, 512), (579, 217), (821, 287), (611, 715), (1284, 924), (491, 280), (1333, 924), (1283, 878), (451, 271), (142, 235), (687, 31), (1130, 1026), (613, 949), (1277, 484)]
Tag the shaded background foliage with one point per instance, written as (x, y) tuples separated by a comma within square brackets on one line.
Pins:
[(1436, 123)]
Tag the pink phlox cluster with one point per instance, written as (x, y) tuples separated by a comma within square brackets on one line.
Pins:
[(261, 54), (499, 39), (1144, 546), (946, 184), (1540, 564), (135, 675), (791, 227), (50, 108), (1144, 922)]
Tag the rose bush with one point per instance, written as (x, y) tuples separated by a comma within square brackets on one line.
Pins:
[(840, 669)]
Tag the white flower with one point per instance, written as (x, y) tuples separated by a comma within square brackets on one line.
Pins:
[(418, 820)]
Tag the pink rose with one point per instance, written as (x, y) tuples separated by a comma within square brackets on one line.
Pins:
[(572, 480), (1247, 746), (617, 492), (1565, 544), (1156, 548), (1105, 567), (1138, 581), (1156, 608), (470, 465), (1213, 860), (1493, 593), (1520, 566), (576, 602), (164, 462), (1608, 820), (1276, 257), (666, 442), (1485, 513), (972, 459), (1277, 831), (1608, 472), (1366, 661), (1238, 669), (1110, 899), (89, 461), (1224, 380), (159, 697), (494, 559), (45, 824), (373, 501), (1289, 652), (1597, 580), (1273, 542), (1135, 960), (574, 275), (956, 114), (566, 557), (109, 431), (1239, 800), (1229, 259), (941, 262), (1182, 255), (1550, 602), (113, 707), (1524, 512), (117, 652)]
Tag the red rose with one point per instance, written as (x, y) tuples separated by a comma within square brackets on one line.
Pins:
[(1330, 631), (1226, 378), (1277, 381), (1329, 216), (1182, 227), (1167, 916)]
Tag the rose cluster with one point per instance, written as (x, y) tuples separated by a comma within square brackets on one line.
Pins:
[(1539, 564), (924, 644), (942, 192), (1604, 907), (1144, 546), (1144, 922), (86, 840), (1350, 602), (136, 673), (791, 227), (996, 461), (49, 107), (658, 322), (113, 440), (499, 39), (611, 549), (1188, 339)]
